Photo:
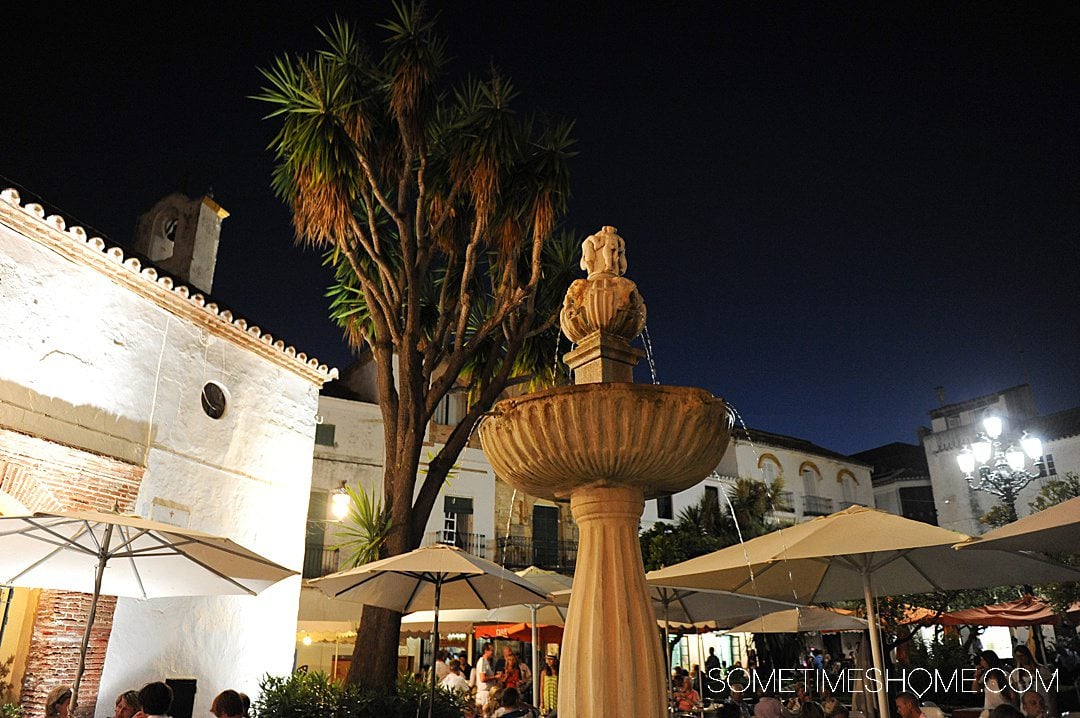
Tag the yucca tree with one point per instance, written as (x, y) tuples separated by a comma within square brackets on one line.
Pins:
[(438, 209)]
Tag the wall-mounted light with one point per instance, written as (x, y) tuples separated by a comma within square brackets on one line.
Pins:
[(306, 640), (339, 502)]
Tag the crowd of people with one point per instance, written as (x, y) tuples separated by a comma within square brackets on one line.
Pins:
[(500, 688), (152, 701)]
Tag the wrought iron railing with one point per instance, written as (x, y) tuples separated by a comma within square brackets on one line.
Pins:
[(817, 505), (476, 544), (785, 501), (319, 560), (516, 552)]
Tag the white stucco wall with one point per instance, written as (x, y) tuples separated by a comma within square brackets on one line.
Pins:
[(90, 363)]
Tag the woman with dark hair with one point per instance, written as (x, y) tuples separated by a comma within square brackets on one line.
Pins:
[(228, 704), (549, 685), (58, 702), (1028, 675), (992, 680)]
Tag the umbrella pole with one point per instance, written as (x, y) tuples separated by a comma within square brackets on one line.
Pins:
[(535, 665), (667, 653), (98, 575), (875, 644), (435, 646)]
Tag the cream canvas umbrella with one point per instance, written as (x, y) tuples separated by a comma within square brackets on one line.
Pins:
[(113, 554), (856, 553), (431, 576), (808, 619), (1052, 530)]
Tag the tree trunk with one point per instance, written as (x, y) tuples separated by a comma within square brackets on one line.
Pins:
[(374, 657)]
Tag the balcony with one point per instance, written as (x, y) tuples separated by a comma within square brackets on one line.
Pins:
[(817, 505), (517, 552), (476, 544), (319, 560), (785, 502)]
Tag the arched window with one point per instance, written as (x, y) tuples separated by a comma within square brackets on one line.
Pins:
[(848, 482), (811, 475), (769, 466)]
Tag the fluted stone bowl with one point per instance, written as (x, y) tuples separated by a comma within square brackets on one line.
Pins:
[(662, 439)]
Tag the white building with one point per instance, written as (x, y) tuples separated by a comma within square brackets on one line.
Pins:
[(816, 480), (120, 384), (901, 481), (955, 426)]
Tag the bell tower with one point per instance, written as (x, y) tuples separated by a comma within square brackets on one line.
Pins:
[(180, 235)]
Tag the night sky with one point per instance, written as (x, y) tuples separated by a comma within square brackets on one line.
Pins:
[(829, 208)]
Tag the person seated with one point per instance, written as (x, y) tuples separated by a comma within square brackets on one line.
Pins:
[(735, 698), (768, 706), (127, 705), (828, 701), (686, 698), (58, 702), (454, 681), (841, 711), (811, 709), (793, 706), (1005, 710), (511, 706), (156, 699), (1033, 704), (227, 704)]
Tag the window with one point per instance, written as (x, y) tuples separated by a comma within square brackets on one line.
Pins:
[(1046, 466), (952, 422), (847, 485), (324, 434), (664, 509), (770, 468), (713, 494), (214, 400), (810, 476), (458, 522)]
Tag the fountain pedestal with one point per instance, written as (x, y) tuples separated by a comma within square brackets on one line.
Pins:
[(608, 445), (613, 663)]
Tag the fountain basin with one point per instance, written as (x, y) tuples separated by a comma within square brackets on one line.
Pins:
[(660, 439)]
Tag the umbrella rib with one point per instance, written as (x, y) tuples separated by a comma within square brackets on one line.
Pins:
[(416, 589), (921, 572), (131, 559), (67, 543), (468, 582), (207, 567)]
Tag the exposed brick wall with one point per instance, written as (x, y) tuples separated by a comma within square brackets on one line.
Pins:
[(46, 476)]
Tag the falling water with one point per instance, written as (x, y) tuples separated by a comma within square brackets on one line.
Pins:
[(649, 353), (772, 508), (555, 364)]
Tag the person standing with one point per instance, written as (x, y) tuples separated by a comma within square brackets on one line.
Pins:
[(486, 678), (713, 675), (549, 685)]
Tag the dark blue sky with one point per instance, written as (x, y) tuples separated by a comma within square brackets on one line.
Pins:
[(830, 209)]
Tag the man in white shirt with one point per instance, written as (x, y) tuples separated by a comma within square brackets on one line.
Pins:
[(486, 678)]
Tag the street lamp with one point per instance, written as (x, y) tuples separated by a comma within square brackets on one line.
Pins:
[(339, 502), (996, 467)]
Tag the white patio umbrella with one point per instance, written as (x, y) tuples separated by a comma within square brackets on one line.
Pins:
[(435, 576), (113, 554), (808, 619), (848, 555), (549, 581), (1052, 530)]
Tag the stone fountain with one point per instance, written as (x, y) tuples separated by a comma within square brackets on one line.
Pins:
[(607, 444)]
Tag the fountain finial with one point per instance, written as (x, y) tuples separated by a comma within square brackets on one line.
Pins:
[(604, 254), (603, 313)]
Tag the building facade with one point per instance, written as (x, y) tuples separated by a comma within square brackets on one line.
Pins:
[(816, 481), (121, 385), (901, 480)]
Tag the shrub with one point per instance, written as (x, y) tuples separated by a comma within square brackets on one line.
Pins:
[(314, 695)]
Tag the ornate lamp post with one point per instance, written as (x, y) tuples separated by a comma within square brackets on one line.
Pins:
[(998, 467)]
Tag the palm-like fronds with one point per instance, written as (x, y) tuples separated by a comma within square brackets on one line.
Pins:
[(363, 531)]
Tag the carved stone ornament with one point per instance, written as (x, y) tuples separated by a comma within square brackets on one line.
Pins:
[(604, 254)]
